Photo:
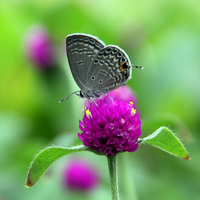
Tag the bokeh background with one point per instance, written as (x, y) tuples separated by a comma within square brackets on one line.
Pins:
[(161, 36)]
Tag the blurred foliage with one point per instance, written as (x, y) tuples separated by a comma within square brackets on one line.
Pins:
[(161, 36)]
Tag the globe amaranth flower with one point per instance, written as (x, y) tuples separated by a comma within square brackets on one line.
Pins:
[(39, 48), (80, 175), (110, 126)]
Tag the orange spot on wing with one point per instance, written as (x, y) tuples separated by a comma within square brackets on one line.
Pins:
[(123, 67)]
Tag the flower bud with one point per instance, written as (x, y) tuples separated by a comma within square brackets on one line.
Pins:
[(39, 48)]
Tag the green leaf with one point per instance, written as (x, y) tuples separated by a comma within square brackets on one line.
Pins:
[(165, 139), (45, 158)]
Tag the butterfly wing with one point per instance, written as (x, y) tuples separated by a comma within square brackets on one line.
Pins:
[(110, 69), (81, 51)]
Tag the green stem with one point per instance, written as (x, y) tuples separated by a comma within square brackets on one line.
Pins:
[(112, 165)]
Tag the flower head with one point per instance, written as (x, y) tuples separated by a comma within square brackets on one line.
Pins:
[(80, 175), (111, 126), (39, 48)]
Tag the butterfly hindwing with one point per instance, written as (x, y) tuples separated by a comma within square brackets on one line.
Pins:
[(110, 69)]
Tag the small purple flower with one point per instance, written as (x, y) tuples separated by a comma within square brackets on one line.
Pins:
[(39, 47), (80, 175), (111, 127), (125, 93)]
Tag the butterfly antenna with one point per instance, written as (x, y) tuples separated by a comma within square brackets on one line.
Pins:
[(76, 103), (76, 92), (137, 67), (77, 100)]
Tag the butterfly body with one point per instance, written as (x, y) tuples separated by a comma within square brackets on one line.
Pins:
[(96, 68)]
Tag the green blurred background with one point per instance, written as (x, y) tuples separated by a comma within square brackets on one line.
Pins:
[(161, 36)]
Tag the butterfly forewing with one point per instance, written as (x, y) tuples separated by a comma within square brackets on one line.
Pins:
[(81, 51), (110, 69)]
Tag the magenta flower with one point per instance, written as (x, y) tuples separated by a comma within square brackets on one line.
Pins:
[(80, 175), (111, 127), (39, 48), (125, 93)]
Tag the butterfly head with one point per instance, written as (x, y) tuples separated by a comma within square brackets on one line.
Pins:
[(88, 94)]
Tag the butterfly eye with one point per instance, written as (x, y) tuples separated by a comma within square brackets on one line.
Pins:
[(81, 94)]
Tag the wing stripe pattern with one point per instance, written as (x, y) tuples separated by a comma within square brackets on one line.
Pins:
[(106, 68)]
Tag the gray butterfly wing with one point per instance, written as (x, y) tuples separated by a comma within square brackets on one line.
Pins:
[(81, 51), (110, 69)]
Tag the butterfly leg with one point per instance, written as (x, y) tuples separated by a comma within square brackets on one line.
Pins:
[(93, 101)]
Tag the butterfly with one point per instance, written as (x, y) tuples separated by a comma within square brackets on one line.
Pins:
[(96, 68)]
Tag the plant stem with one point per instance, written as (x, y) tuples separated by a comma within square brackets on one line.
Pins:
[(112, 165)]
